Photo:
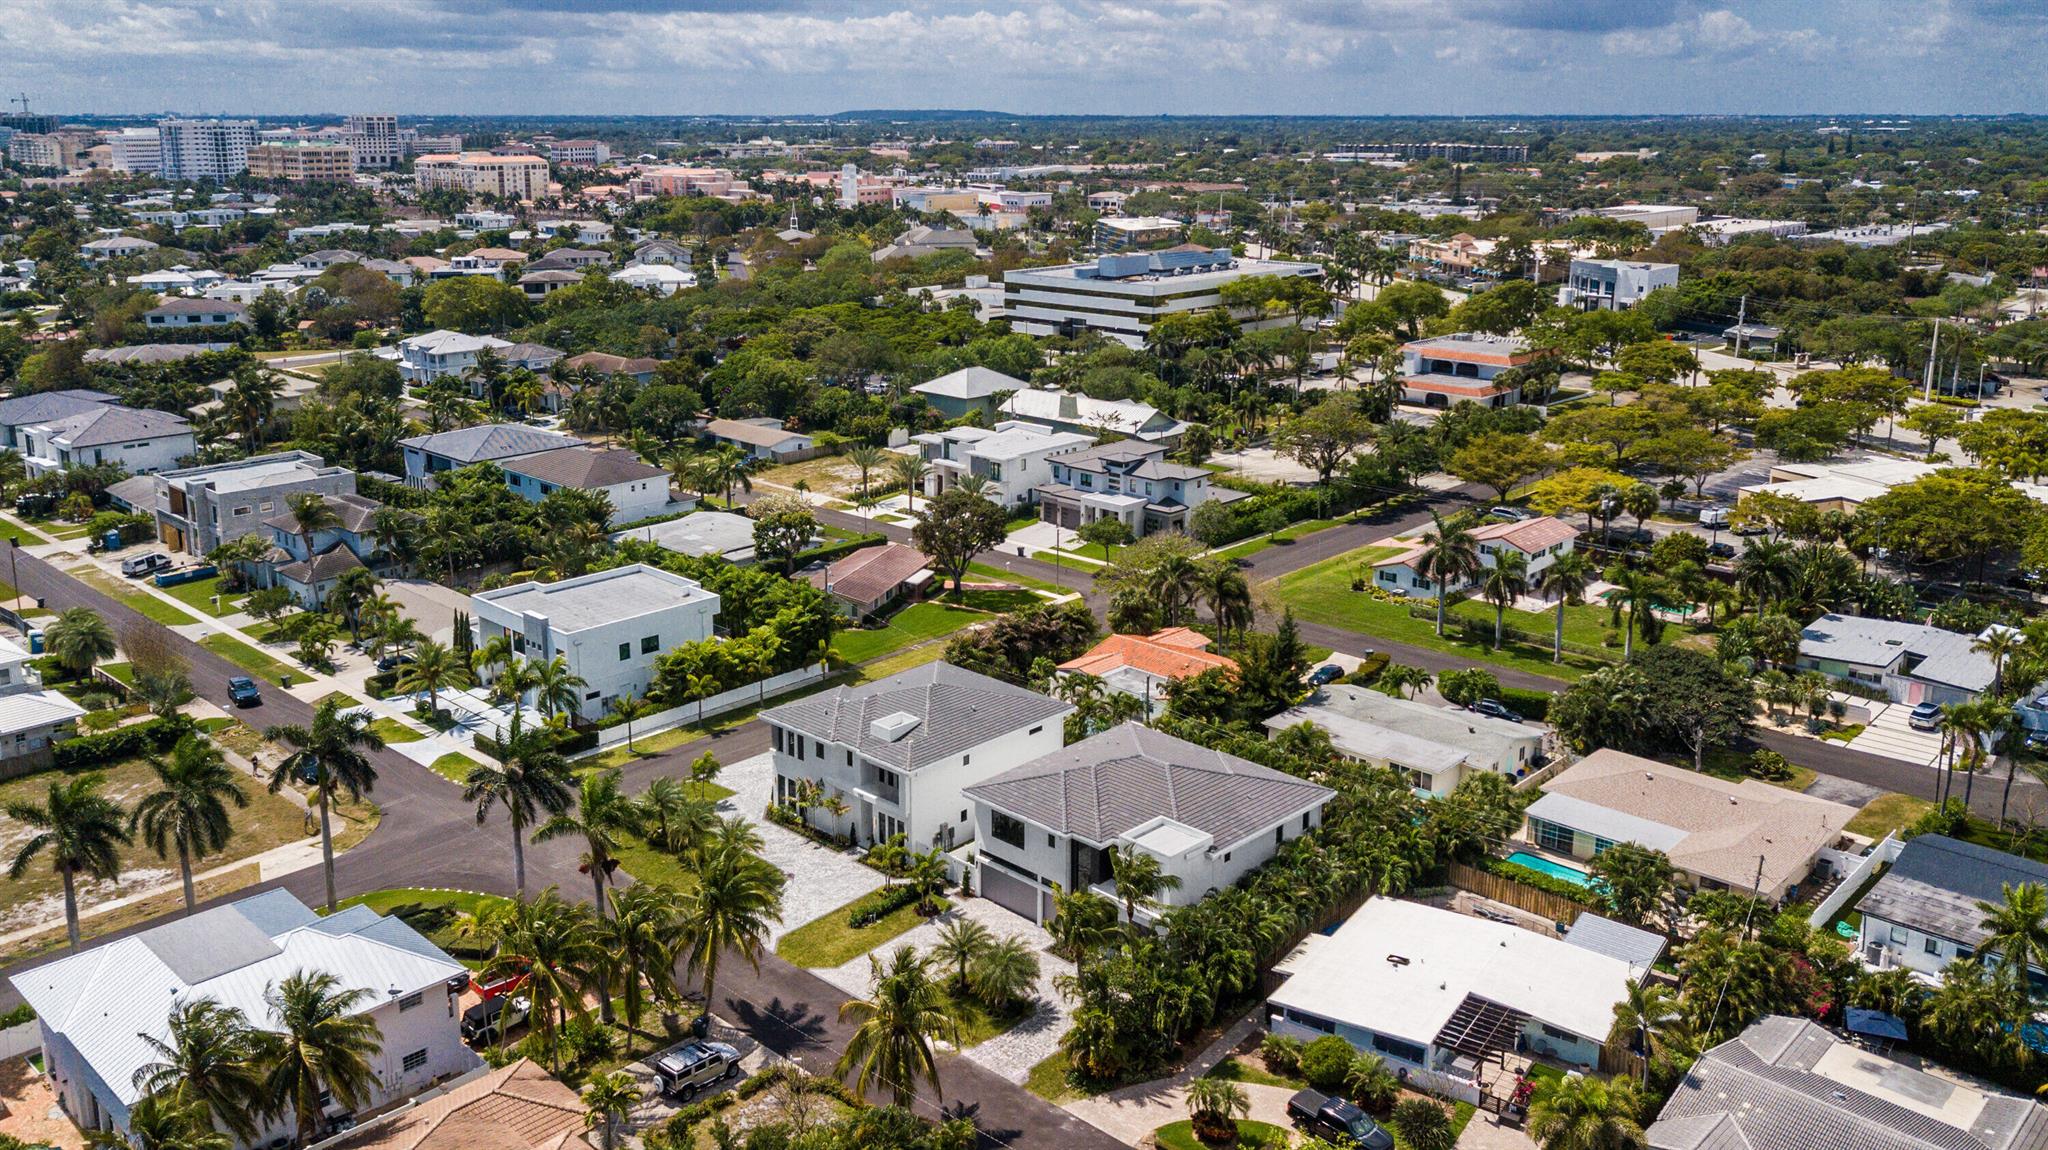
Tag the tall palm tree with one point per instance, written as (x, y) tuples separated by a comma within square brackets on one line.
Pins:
[(162, 689), (248, 405), (2017, 932), (1082, 921), (640, 940), (1581, 1113), (1176, 583), (550, 940), (1765, 570), (602, 818), (210, 1060), (312, 514), (188, 812), (1228, 595), (163, 1123), (1637, 593), (1567, 578), (494, 655), (891, 1048), (532, 777), (1649, 1017), (737, 897), (323, 1046), (1999, 643), (435, 667), (1139, 880), (628, 706), (1502, 584), (867, 457), (78, 639), (80, 829), (355, 589), (556, 689), (1449, 555), (332, 756), (1403, 681), (910, 470), (606, 1101)]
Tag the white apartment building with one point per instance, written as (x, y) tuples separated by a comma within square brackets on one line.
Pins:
[(484, 174), (373, 139), (136, 149), (901, 752), (579, 153), (1014, 457), (1121, 296), (1610, 285), (205, 149), (608, 625)]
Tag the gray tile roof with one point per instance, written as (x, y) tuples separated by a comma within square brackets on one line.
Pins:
[(957, 710), (585, 467), (1616, 940), (152, 352), (488, 441), (1936, 883), (329, 564), (356, 512), (116, 424), (1104, 786), (1782, 1085), (43, 406), (180, 305)]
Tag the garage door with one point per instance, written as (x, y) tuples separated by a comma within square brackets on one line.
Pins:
[(1008, 891)]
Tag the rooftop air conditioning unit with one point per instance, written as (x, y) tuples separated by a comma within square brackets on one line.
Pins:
[(892, 727)]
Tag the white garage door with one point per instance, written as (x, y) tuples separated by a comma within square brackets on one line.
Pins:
[(1008, 891)]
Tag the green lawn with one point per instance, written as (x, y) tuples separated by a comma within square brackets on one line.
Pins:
[(144, 604), (649, 863), (434, 913), (1238, 1070), (125, 672), (1066, 558), (1048, 1079), (1000, 602), (248, 658), (828, 941), (1887, 813), (913, 624), (454, 766), (978, 1023), (393, 731), (1250, 1136), (1322, 594), (15, 531), (199, 595), (983, 573)]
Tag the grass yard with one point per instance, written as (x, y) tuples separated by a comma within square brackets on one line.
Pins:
[(914, 624), (828, 941), (454, 766), (249, 658), (897, 663), (978, 1023), (1322, 594), (1048, 1079), (999, 602), (142, 602), (1250, 1136), (649, 863), (19, 533), (1733, 765), (393, 731), (983, 573), (199, 596), (1285, 535), (1887, 813), (133, 914), (37, 897), (1239, 1070), (235, 735), (1066, 558)]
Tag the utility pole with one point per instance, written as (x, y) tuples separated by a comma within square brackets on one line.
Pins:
[(1933, 347), (1741, 318)]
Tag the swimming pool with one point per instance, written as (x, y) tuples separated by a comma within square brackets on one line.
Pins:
[(1541, 865)]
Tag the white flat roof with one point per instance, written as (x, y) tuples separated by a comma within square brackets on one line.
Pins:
[(599, 598), (1350, 976)]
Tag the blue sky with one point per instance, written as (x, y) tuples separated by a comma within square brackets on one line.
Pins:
[(1337, 57)]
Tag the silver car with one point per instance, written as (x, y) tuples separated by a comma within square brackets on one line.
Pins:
[(684, 1070)]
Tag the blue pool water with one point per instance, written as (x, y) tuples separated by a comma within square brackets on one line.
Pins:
[(1542, 865)]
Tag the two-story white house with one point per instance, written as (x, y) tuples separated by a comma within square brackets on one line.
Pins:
[(140, 440), (182, 312), (437, 353), (1130, 481), (1207, 817), (97, 1022), (608, 625), (901, 752), (1014, 457), (1539, 541)]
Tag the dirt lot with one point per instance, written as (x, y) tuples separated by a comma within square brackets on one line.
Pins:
[(31, 1108)]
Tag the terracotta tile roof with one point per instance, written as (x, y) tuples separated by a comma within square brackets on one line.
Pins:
[(517, 1107), (1170, 654), (1530, 535)]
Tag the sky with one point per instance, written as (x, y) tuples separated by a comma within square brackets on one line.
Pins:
[(1140, 57)]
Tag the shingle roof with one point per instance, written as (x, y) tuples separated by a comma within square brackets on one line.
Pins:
[(1936, 883), (760, 435), (152, 352), (585, 467), (489, 441), (180, 305), (870, 573), (1787, 1084), (43, 406), (1104, 786), (329, 564), (1530, 535), (957, 710), (607, 363)]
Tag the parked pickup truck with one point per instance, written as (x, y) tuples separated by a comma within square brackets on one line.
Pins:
[(1337, 1120)]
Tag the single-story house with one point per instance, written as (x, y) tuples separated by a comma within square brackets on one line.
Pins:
[(32, 719), (1208, 818), (872, 578), (641, 368), (1910, 662), (1539, 541), (720, 533), (1742, 836), (518, 1106), (1441, 995), (1142, 665), (1434, 748), (762, 439), (1923, 914)]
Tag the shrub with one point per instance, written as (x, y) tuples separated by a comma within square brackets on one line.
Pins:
[(124, 743), (1424, 1125), (1282, 1053), (1326, 1062), (382, 684), (1534, 705), (17, 1016), (1371, 1084), (585, 1040), (838, 549), (880, 905), (1769, 766)]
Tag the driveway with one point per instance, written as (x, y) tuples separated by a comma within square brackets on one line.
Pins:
[(821, 879), (1889, 734)]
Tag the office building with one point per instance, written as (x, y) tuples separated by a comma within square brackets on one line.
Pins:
[(1610, 285), (205, 149), (301, 160), (1136, 233), (137, 150), (374, 140), (484, 174), (578, 153), (1121, 296)]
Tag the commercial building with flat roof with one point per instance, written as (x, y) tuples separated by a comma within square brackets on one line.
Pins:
[(484, 173), (1122, 296), (301, 161), (1445, 370), (1610, 285), (1136, 233)]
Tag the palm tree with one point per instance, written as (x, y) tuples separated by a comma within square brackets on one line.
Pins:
[(1999, 643), (1175, 583), (866, 457), (1649, 1018), (737, 897), (910, 471), (435, 667), (1636, 592), (640, 939), (1765, 570), (330, 756), (1228, 594), (1448, 556), (676, 819), (628, 706), (162, 1123), (2017, 932), (550, 940), (188, 812), (891, 1048), (1217, 1102), (1005, 972), (80, 829), (1082, 920), (532, 777), (1582, 1113), (1403, 681), (322, 1048), (209, 1060), (249, 403), (1567, 578), (556, 688), (1139, 880), (355, 589), (312, 514), (1502, 583), (606, 1102), (961, 942), (603, 817), (78, 639), (700, 688), (162, 689)]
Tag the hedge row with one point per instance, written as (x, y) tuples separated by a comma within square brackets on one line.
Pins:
[(839, 549), (1527, 703), (880, 905), (569, 742), (121, 743), (1584, 896), (382, 684)]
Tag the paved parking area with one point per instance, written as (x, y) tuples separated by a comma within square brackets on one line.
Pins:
[(1888, 734), (654, 1109), (820, 879)]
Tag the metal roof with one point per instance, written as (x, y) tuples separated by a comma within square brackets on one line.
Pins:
[(1945, 656), (1638, 948), (489, 441), (957, 710)]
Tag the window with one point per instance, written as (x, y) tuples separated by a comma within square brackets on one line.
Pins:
[(1550, 1031), (650, 644), (238, 511), (408, 1002), (1308, 1020), (1552, 837), (1898, 934), (1396, 1048), (966, 759), (818, 748), (963, 816), (1304, 820), (1036, 729), (775, 734), (1932, 946), (1005, 829), (417, 1060), (1049, 841), (1280, 834), (625, 651)]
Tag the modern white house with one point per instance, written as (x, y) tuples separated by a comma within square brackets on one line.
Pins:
[(1132, 482), (184, 312), (638, 489), (968, 390), (1441, 995), (609, 625), (1208, 818), (1085, 415), (901, 752), (113, 248), (1014, 457), (437, 353), (99, 1008), (140, 440), (199, 508), (1540, 542), (1610, 285), (662, 279), (720, 533), (1122, 296), (1923, 913), (23, 411), (32, 719), (1434, 748)]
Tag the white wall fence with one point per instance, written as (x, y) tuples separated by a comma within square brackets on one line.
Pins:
[(714, 704), (16, 1041), (1854, 876)]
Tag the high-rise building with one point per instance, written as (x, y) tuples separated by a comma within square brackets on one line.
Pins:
[(34, 150), (374, 139), (137, 150), (302, 160), (205, 149), (481, 173)]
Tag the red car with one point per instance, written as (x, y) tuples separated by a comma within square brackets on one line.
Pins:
[(501, 987)]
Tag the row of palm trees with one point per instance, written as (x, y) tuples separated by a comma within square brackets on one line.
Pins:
[(1450, 557)]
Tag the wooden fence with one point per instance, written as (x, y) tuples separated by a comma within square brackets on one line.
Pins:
[(1554, 907)]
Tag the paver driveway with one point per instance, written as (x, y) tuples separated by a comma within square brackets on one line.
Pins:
[(820, 879)]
